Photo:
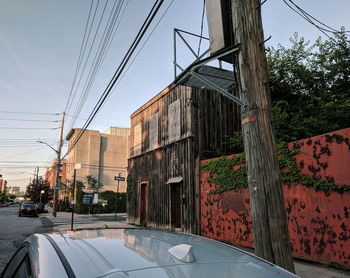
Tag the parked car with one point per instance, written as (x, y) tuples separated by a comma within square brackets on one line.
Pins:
[(133, 253), (28, 209)]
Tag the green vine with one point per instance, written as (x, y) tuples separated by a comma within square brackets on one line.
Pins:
[(231, 173)]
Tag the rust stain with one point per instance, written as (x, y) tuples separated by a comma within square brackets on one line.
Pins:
[(318, 222)]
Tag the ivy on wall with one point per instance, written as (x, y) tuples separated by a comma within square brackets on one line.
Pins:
[(223, 172)]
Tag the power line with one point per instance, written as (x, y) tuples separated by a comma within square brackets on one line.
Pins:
[(8, 161), (324, 28), (26, 120), (5, 127), (21, 154), (100, 54), (32, 113), (145, 42), (80, 57), (24, 139), (85, 92), (121, 67), (82, 72)]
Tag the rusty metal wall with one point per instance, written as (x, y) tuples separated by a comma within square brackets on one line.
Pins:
[(319, 222)]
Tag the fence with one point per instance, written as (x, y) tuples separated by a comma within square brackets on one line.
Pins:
[(318, 220)]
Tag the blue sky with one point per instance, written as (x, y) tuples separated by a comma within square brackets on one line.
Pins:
[(39, 48)]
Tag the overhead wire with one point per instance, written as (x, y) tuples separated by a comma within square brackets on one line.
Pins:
[(103, 48), (120, 68), (79, 58), (22, 154), (95, 64), (142, 46), (85, 45), (43, 128), (32, 113), (325, 29), (26, 120)]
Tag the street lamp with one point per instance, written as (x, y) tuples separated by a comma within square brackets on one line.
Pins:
[(58, 152)]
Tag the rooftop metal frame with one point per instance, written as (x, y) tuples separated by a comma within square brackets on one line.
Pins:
[(198, 62)]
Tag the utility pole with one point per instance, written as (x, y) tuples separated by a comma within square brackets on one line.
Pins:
[(54, 213), (268, 214)]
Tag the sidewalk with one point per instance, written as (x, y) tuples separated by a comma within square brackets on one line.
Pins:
[(107, 220), (84, 221)]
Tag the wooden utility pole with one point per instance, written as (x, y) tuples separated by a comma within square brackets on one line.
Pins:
[(270, 228), (58, 151)]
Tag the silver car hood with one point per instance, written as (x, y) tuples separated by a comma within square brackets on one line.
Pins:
[(144, 253)]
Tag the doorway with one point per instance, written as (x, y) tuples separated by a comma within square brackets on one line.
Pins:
[(143, 204), (175, 194)]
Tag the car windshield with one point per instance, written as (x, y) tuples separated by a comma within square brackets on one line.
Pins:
[(26, 206)]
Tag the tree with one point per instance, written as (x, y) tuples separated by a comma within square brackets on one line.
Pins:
[(310, 87), (34, 191), (3, 197), (93, 184)]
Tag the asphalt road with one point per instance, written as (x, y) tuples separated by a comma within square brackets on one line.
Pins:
[(14, 229)]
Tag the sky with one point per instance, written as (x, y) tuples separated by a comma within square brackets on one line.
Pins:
[(40, 44)]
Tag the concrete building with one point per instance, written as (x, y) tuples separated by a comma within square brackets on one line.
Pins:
[(14, 190), (102, 155)]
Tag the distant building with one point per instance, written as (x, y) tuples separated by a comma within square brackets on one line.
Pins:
[(101, 155), (14, 190), (50, 174), (3, 184)]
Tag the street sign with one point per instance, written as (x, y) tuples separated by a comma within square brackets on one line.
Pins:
[(117, 178), (87, 198)]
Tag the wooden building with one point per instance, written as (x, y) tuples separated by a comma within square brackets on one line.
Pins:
[(170, 134)]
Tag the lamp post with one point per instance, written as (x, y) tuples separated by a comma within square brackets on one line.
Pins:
[(76, 167), (58, 152)]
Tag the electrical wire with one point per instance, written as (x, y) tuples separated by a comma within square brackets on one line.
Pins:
[(91, 24), (325, 29), (121, 67), (140, 49), (22, 154), (95, 63), (26, 120), (5, 127), (32, 113), (80, 57), (105, 42)]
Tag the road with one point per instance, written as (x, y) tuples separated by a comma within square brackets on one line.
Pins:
[(14, 229)]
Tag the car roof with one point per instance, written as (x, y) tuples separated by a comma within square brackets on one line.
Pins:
[(144, 253)]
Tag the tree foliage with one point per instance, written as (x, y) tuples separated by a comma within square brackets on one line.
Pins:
[(93, 184), (34, 191), (310, 87)]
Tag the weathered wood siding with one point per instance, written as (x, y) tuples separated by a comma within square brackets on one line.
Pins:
[(192, 124)]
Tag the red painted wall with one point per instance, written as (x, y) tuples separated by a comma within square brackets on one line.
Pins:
[(318, 222)]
